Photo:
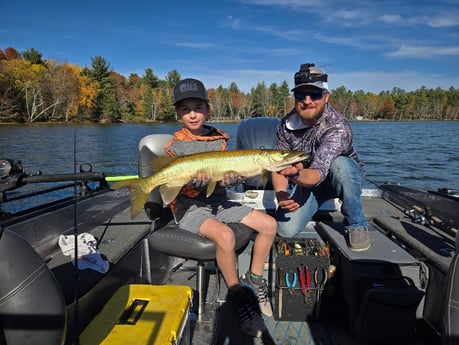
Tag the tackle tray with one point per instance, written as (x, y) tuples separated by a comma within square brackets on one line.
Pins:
[(301, 277)]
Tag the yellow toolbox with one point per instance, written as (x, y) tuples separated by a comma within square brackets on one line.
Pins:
[(142, 314)]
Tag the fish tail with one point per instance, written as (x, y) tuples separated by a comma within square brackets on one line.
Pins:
[(138, 200), (138, 197)]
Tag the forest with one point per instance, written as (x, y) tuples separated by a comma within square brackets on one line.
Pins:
[(35, 90)]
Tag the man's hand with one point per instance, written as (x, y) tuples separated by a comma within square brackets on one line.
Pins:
[(284, 201), (291, 170)]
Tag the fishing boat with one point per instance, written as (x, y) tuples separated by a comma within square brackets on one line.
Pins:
[(144, 281)]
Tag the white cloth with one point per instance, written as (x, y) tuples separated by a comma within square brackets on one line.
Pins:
[(88, 255), (294, 122)]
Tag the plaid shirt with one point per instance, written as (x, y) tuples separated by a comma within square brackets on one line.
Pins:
[(329, 138)]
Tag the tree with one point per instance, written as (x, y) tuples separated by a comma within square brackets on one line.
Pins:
[(261, 96), (34, 56), (30, 80), (12, 54), (172, 78), (63, 85), (101, 69), (387, 110), (11, 96), (150, 79), (341, 99), (107, 104)]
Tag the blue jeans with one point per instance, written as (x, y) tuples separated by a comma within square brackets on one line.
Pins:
[(344, 181)]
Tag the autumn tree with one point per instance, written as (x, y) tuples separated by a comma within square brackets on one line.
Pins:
[(63, 85), (11, 54)]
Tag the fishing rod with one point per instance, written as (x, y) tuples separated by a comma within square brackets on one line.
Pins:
[(76, 274), (12, 175), (436, 210)]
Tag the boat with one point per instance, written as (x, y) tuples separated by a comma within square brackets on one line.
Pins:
[(162, 287)]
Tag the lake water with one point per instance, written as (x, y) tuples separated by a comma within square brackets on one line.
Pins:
[(416, 154)]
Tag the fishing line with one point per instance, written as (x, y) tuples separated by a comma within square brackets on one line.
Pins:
[(75, 235)]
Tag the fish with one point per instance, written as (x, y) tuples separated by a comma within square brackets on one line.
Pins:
[(172, 173)]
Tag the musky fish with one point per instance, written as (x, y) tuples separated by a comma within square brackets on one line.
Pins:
[(172, 173)]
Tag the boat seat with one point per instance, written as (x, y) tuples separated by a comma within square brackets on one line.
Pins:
[(451, 316), (32, 305), (166, 236), (257, 133)]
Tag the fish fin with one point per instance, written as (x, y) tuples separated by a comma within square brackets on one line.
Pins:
[(138, 196), (211, 188), (169, 193), (160, 162), (264, 178), (138, 200)]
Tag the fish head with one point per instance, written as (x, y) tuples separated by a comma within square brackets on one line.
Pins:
[(276, 160)]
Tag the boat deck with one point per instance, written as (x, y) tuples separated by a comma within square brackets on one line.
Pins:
[(219, 325), (124, 242)]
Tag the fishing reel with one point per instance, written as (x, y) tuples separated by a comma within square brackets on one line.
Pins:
[(11, 174), (9, 167)]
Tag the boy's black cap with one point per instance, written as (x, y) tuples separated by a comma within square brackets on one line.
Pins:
[(190, 88)]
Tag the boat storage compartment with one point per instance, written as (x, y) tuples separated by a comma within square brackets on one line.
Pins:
[(143, 314), (383, 287), (301, 275)]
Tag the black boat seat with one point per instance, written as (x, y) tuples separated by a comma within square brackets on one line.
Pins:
[(32, 305), (451, 316), (257, 133), (166, 236)]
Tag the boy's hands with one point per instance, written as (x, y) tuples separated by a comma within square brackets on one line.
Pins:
[(231, 180), (201, 181)]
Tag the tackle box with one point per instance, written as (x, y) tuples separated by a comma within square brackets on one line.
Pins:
[(301, 275), (143, 314)]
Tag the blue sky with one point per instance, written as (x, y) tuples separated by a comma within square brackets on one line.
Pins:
[(363, 45)]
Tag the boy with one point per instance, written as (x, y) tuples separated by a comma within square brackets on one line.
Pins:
[(195, 212)]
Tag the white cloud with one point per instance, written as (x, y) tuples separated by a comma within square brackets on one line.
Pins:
[(196, 45), (421, 52)]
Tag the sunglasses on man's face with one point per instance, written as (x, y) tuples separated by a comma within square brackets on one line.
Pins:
[(314, 95)]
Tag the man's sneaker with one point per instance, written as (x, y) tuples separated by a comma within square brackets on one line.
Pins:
[(247, 311), (261, 291), (359, 239)]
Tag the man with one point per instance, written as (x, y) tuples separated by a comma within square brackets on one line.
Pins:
[(333, 170)]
